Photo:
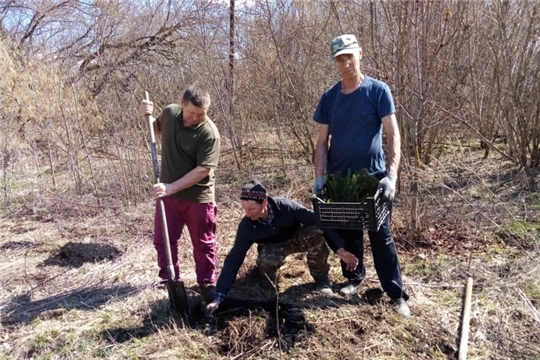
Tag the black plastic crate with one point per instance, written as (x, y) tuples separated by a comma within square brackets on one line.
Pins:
[(367, 214)]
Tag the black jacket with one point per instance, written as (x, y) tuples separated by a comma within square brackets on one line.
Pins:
[(288, 217)]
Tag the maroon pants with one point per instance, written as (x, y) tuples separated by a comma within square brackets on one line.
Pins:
[(200, 220)]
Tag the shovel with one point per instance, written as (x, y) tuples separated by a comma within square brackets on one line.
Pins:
[(177, 292)]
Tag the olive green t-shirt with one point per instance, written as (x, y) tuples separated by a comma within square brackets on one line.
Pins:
[(186, 147)]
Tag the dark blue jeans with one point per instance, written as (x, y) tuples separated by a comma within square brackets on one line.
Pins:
[(384, 256)]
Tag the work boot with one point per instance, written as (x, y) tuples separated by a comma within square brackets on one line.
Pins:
[(208, 291), (350, 289), (401, 307), (322, 284)]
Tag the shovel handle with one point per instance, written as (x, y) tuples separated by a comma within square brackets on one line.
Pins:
[(161, 206), (152, 142)]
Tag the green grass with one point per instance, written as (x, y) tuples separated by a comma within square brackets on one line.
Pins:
[(106, 317), (52, 343), (279, 180), (521, 226), (12, 204), (41, 341), (428, 269), (524, 230), (534, 200), (133, 349), (532, 291), (12, 185), (104, 352), (140, 326)]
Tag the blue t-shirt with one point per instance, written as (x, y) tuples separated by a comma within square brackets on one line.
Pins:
[(355, 126)]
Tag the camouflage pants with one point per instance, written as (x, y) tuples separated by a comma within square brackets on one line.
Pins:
[(307, 239)]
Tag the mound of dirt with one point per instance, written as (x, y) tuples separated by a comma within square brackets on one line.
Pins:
[(76, 254)]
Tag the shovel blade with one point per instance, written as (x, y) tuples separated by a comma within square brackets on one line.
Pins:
[(178, 298)]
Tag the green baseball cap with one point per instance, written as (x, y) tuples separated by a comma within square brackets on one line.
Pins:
[(344, 44)]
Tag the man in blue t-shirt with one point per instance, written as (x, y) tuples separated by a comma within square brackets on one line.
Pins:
[(351, 116)]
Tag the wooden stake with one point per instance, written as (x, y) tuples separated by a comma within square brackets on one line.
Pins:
[(465, 321)]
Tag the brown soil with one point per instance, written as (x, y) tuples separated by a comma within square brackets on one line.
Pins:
[(80, 282)]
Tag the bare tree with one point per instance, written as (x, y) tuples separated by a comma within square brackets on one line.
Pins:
[(266, 64)]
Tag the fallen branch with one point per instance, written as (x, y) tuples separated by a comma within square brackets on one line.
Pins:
[(278, 327), (424, 285), (535, 314), (244, 355)]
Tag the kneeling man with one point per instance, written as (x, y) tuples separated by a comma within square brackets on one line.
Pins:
[(279, 227)]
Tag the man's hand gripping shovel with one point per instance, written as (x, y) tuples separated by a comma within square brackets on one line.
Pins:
[(177, 292)]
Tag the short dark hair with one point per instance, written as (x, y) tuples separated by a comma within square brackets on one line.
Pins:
[(197, 96)]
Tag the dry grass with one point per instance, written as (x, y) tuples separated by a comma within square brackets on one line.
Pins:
[(78, 278)]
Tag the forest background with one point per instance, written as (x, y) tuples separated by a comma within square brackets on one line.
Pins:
[(76, 172)]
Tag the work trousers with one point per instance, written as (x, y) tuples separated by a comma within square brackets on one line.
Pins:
[(384, 256), (200, 219), (306, 239)]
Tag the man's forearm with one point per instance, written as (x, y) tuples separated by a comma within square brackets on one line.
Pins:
[(394, 154), (334, 240), (321, 153), (393, 140)]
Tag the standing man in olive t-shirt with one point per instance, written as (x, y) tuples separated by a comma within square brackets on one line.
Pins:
[(190, 152)]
